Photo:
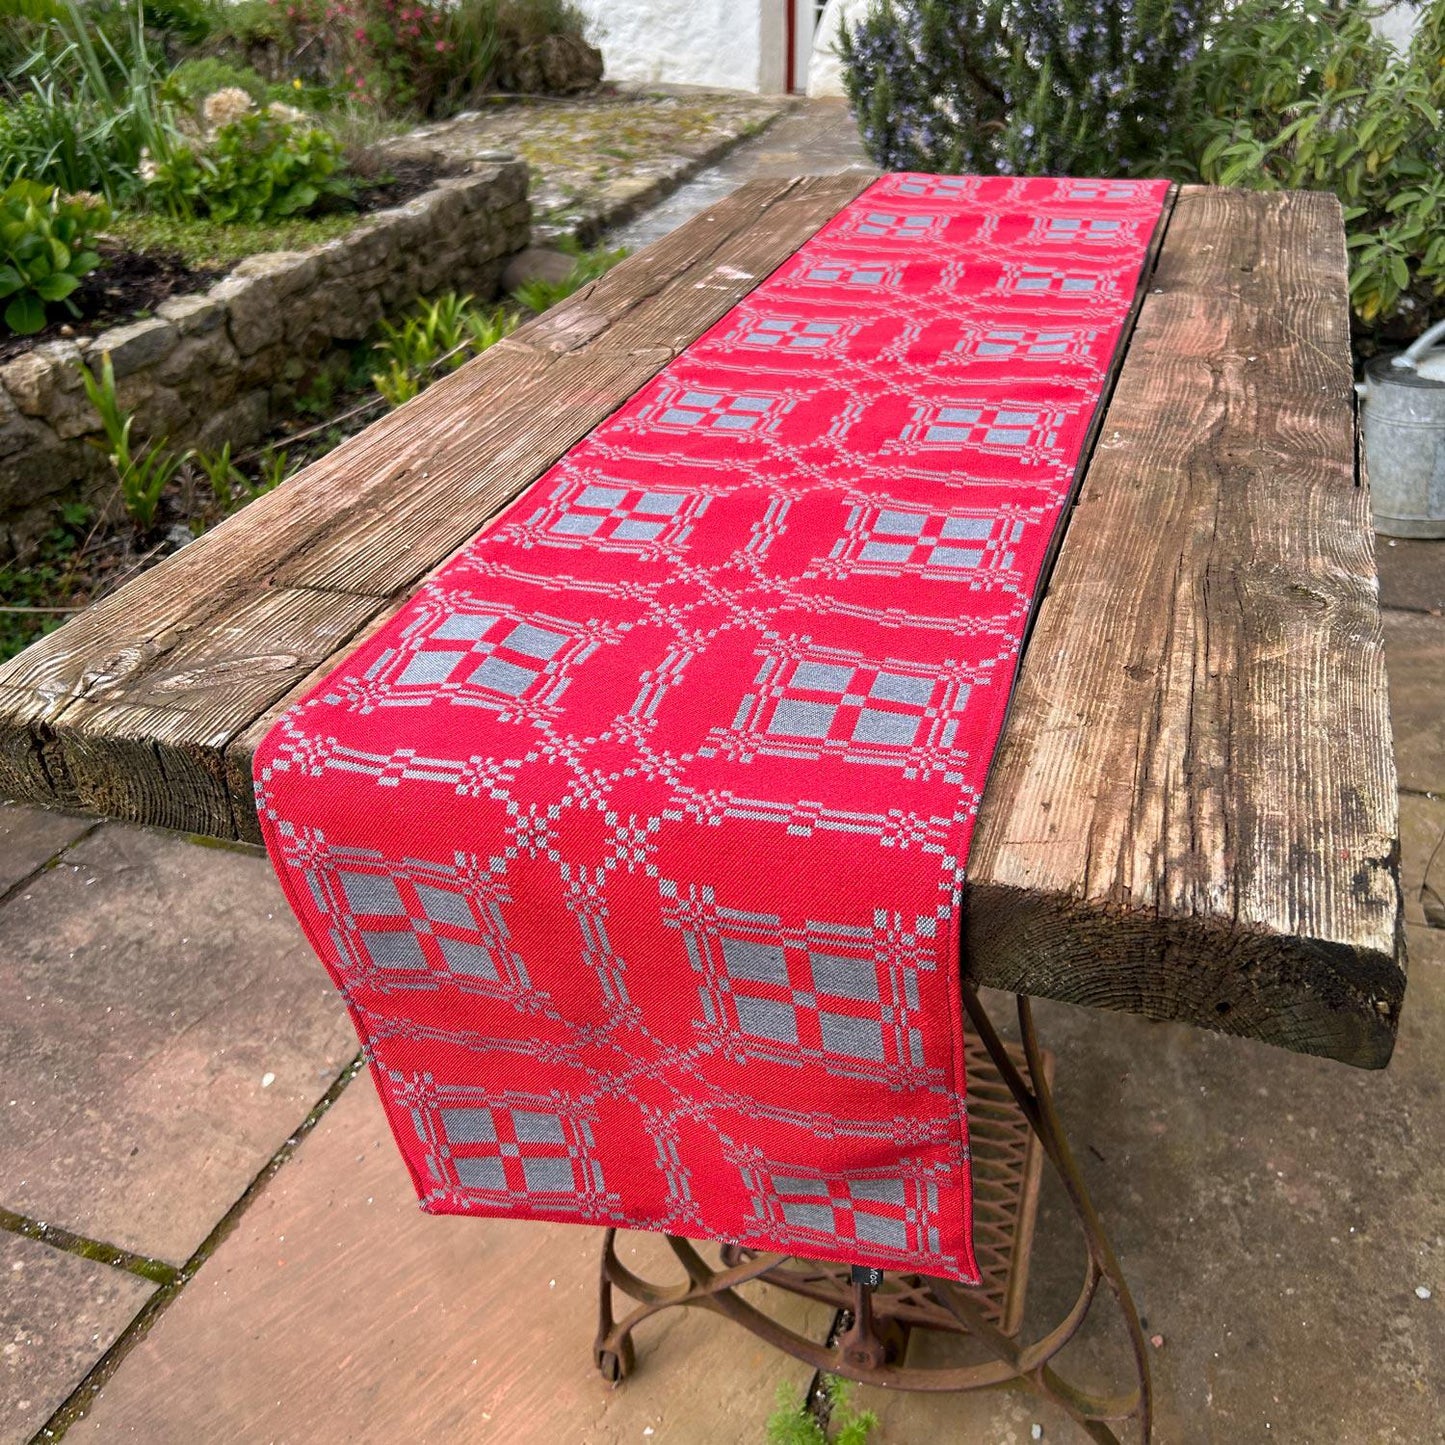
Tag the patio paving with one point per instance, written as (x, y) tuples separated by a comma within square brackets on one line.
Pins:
[(58, 1313), (165, 1030)]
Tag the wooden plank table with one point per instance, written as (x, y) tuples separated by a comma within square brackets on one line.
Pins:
[(1192, 813)]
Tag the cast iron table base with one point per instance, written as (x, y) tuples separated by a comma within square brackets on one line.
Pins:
[(1013, 1128)]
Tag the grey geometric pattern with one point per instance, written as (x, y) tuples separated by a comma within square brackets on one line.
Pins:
[(412, 924), (839, 996), (492, 659), (1030, 433), (937, 187), (1035, 280), (895, 225), (868, 277), (971, 546), (813, 335), (892, 1212), (532, 1150), (809, 701), (1019, 343), (1076, 230), (679, 408), (592, 512)]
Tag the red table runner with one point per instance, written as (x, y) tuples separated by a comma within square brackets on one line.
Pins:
[(635, 840)]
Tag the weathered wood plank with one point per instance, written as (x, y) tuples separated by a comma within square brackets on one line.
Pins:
[(128, 711), (1192, 813)]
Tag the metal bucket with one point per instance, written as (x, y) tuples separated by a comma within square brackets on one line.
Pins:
[(1403, 421)]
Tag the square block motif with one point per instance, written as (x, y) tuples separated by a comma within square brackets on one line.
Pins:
[(843, 997), (1071, 231), (611, 516), (973, 547), (1023, 343), (793, 335), (831, 275), (879, 225), (508, 662), (952, 188), (676, 408), (1075, 283), (811, 701), (1029, 433), (501, 1150), (887, 1212), (408, 924), (1074, 190)]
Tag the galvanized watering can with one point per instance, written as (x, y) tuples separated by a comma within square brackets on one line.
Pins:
[(1403, 420)]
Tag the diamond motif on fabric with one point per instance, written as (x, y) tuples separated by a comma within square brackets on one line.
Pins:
[(974, 547), (532, 1150), (406, 924), (611, 517), (812, 701), (493, 658), (890, 1212), (845, 997), (691, 409)]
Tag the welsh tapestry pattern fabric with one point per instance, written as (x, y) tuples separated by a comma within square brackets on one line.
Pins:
[(635, 841)]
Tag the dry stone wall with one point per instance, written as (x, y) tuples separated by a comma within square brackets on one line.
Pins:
[(221, 365)]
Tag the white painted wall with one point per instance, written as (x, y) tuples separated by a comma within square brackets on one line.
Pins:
[(687, 42), (825, 70), (1397, 24)]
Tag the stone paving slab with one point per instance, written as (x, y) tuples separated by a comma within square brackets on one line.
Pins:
[(1422, 855), (337, 1311), (600, 159), (164, 1028), (817, 138), (1412, 573), (59, 1314), (1274, 1214), (1415, 662), (31, 837)]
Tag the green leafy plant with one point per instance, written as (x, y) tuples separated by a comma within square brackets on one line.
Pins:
[(272, 470), (1039, 87), (537, 296), (37, 595), (1304, 93), (44, 249), (85, 107), (439, 334), (225, 478), (793, 1424), (258, 167), (143, 475)]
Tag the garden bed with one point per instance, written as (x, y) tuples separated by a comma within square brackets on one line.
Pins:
[(220, 367), (146, 259)]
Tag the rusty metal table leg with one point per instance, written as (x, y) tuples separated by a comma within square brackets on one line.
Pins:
[(1013, 1130)]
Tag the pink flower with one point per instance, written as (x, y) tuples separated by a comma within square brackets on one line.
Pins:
[(442, 47), (361, 32)]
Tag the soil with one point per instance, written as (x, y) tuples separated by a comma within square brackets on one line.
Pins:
[(131, 283), (125, 283)]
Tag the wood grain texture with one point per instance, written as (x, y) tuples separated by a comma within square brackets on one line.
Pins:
[(1192, 813), (148, 706)]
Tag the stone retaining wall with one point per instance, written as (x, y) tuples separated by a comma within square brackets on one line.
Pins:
[(221, 365)]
